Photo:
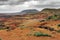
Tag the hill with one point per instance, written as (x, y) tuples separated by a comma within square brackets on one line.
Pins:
[(43, 25)]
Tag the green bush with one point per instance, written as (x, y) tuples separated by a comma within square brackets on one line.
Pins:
[(53, 17), (41, 34), (38, 34)]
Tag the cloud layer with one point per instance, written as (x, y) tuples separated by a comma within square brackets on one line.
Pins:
[(28, 4)]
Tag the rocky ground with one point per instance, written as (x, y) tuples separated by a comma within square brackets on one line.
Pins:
[(44, 25)]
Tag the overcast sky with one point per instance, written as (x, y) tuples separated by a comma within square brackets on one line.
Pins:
[(28, 4)]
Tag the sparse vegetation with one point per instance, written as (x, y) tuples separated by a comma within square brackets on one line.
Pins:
[(58, 31), (49, 18), (58, 25), (43, 24), (46, 27), (53, 17), (2, 28), (41, 34)]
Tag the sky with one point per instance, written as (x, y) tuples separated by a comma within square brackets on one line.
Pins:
[(12, 6)]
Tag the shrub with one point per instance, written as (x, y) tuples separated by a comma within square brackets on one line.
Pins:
[(41, 34), (2, 28), (53, 17), (58, 25), (58, 31), (38, 34)]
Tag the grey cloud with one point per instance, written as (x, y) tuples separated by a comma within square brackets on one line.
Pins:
[(46, 6), (47, 3), (12, 2), (39, 5), (39, 0), (3, 0)]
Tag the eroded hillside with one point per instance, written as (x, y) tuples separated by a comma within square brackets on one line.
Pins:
[(44, 25)]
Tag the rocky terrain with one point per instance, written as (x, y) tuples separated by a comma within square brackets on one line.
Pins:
[(43, 25)]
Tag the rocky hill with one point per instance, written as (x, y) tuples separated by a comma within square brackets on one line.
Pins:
[(43, 25)]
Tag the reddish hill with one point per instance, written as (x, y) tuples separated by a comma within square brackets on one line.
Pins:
[(44, 25)]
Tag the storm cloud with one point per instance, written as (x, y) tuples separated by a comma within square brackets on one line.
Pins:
[(19, 5)]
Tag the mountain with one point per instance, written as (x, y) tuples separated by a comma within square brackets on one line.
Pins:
[(29, 11)]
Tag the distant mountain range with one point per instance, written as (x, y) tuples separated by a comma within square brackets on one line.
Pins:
[(28, 11), (33, 11)]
